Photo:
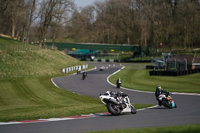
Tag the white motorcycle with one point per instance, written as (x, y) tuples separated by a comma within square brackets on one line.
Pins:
[(117, 103)]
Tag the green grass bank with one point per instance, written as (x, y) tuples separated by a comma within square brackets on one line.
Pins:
[(24, 60), (136, 77)]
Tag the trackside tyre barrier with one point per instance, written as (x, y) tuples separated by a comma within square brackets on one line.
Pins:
[(73, 68), (106, 60), (116, 60), (173, 73)]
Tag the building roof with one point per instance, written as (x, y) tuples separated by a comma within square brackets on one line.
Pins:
[(191, 59)]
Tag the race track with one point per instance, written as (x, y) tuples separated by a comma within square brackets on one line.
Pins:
[(188, 111)]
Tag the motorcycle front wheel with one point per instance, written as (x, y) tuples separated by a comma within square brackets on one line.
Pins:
[(133, 110), (114, 109), (166, 104)]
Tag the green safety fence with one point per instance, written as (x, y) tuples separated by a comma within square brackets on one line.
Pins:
[(102, 47)]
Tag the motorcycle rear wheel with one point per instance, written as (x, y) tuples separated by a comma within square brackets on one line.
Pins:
[(113, 109)]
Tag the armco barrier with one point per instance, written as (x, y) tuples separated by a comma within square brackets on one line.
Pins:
[(73, 68)]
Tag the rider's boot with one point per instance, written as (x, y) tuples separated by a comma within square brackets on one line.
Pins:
[(160, 103)]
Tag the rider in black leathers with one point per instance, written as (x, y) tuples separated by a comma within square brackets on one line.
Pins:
[(158, 92), (120, 94), (84, 75)]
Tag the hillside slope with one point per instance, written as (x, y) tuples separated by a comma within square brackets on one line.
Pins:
[(22, 60)]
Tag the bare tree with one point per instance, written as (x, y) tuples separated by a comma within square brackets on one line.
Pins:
[(61, 17), (32, 8), (51, 10), (143, 22)]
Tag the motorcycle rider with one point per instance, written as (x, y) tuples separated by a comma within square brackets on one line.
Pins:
[(122, 94), (117, 103), (119, 94), (118, 82), (158, 92), (84, 75)]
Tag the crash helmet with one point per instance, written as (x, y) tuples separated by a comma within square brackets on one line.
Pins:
[(120, 92), (158, 87), (108, 92)]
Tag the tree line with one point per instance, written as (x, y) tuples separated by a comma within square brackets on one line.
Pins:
[(31, 20), (149, 23)]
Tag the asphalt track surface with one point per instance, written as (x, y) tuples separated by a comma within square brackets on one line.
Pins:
[(188, 111)]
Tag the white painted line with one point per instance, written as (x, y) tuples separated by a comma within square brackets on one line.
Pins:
[(9, 123), (191, 94), (56, 119), (54, 83), (147, 108)]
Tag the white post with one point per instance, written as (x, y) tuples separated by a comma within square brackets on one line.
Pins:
[(175, 63), (185, 64)]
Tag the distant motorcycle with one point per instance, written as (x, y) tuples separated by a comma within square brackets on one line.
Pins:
[(102, 68), (84, 75), (117, 103), (167, 101)]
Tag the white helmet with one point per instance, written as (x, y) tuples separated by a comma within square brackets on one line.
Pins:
[(158, 87)]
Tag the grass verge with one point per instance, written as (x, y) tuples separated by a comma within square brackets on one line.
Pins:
[(172, 129), (136, 77)]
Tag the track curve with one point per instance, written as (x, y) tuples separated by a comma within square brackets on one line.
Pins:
[(188, 111)]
